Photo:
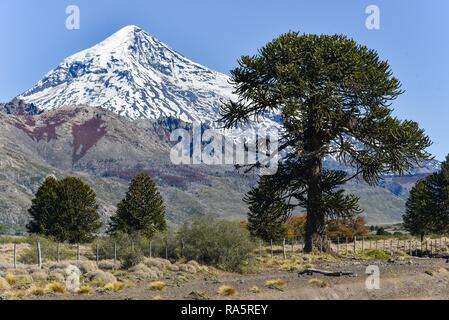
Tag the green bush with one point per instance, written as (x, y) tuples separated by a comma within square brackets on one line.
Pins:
[(374, 255), (49, 250), (225, 244), (124, 243), (131, 258)]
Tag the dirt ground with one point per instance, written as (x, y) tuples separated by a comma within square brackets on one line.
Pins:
[(409, 279)]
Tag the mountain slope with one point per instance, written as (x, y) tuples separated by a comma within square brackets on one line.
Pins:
[(107, 150)]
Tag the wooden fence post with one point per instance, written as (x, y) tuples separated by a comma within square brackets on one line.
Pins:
[(377, 242), (78, 257), (321, 245), (271, 247), (346, 246), (166, 251), (338, 246), (293, 247), (151, 249), (97, 254), (363, 244), (58, 252), (355, 244), (283, 249), (115, 253), (182, 248), (39, 255), (15, 255), (391, 247)]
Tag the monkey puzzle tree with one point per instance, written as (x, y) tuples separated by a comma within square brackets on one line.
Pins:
[(141, 211), (66, 210), (334, 99), (427, 208)]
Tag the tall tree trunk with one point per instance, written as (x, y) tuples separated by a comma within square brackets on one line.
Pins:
[(315, 214)]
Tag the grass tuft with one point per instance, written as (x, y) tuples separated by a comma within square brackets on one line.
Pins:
[(277, 284), (318, 283), (85, 290), (158, 285), (114, 286), (227, 291), (36, 291), (55, 287)]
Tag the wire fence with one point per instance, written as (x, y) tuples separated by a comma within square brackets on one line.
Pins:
[(358, 245), (288, 248)]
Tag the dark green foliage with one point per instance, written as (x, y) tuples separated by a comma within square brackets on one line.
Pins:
[(427, 209), (334, 98), (43, 211), (382, 232), (49, 249), (142, 211), (65, 210), (2, 229), (132, 258), (225, 244)]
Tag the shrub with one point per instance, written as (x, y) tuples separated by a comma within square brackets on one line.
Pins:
[(224, 244), (374, 254), (131, 259), (347, 228), (49, 250), (296, 227)]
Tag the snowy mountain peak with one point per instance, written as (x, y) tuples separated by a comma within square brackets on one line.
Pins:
[(137, 76)]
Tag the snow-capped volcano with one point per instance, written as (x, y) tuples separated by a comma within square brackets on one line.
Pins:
[(135, 75)]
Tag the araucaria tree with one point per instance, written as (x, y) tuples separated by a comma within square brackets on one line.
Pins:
[(334, 99), (427, 208), (142, 211), (65, 210)]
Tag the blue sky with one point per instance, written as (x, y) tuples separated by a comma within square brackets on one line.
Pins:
[(414, 37)]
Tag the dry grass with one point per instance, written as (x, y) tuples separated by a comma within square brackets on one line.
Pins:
[(55, 287), (276, 284), (158, 298), (36, 291), (227, 291), (16, 295), (85, 290), (158, 285), (11, 279), (114, 286), (315, 282), (254, 289)]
